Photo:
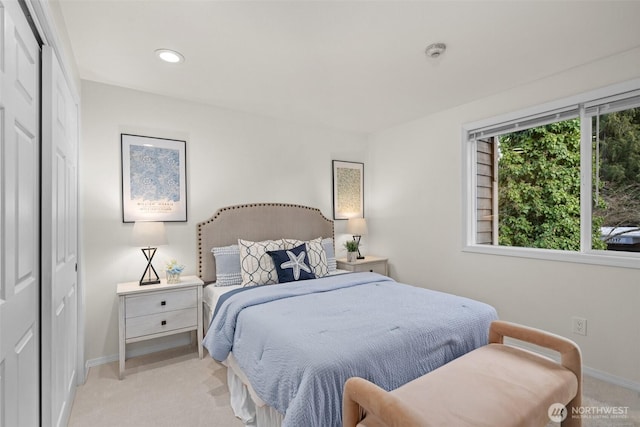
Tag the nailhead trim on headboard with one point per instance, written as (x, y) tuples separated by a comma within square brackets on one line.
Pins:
[(202, 252)]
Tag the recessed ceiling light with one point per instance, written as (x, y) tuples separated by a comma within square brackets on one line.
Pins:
[(169, 55), (435, 50)]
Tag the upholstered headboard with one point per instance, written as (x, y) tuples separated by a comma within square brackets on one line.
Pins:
[(256, 222)]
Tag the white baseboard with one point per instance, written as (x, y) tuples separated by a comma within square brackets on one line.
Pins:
[(586, 370), (143, 348), (100, 361), (613, 379)]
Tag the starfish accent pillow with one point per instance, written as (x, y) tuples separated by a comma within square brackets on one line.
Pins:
[(316, 253), (292, 264)]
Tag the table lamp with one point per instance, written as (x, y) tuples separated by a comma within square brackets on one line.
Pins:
[(148, 233), (358, 228)]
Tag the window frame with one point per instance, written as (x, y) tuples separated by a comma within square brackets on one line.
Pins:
[(586, 255)]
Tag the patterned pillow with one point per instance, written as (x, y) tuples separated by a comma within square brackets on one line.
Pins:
[(227, 260), (292, 264), (256, 266), (316, 253), (329, 250)]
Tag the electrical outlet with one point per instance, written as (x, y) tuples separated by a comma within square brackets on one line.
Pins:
[(579, 325)]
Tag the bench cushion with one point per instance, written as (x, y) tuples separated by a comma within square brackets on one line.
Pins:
[(494, 385)]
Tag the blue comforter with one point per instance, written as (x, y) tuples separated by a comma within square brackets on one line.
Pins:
[(299, 342)]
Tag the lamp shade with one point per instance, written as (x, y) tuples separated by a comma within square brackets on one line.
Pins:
[(148, 233), (357, 226)]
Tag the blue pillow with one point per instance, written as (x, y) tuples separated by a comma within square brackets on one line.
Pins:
[(327, 245), (292, 264), (227, 260)]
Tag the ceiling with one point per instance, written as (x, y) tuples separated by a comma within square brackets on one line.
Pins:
[(351, 65)]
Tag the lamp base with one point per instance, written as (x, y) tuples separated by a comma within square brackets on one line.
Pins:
[(149, 273), (357, 239)]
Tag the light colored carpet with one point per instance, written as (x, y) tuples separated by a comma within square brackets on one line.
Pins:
[(167, 389), (175, 389), (599, 395)]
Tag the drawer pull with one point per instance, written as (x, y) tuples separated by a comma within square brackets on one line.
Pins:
[(163, 303), (164, 322)]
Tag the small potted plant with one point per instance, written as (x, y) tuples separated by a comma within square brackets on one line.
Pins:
[(173, 270), (352, 250)]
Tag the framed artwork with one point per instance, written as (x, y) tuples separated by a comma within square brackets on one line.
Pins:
[(154, 179), (348, 190)]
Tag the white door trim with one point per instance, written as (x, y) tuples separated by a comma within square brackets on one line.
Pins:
[(42, 17)]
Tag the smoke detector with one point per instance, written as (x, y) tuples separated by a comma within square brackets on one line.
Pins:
[(435, 50)]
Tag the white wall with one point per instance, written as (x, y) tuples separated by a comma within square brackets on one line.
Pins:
[(232, 158), (415, 219), (413, 196)]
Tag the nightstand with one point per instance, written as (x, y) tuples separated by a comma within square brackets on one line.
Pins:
[(369, 263), (154, 311)]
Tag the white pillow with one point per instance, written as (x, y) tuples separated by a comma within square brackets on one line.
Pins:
[(256, 266)]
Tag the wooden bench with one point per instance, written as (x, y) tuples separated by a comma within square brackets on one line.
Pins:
[(494, 385)]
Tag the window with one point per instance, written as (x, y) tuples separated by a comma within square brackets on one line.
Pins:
[(616, 177), (561, 180)]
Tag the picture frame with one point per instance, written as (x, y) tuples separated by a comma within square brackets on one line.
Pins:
[(154, 179), (348, 189)]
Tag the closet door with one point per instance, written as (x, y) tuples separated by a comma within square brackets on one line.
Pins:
[(19, 219), (59, 243)]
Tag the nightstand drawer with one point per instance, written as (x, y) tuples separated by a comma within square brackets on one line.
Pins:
[(160, 302), (376, 267), (161, 322)]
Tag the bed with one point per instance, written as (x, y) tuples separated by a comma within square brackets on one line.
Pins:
[(290, 347)]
